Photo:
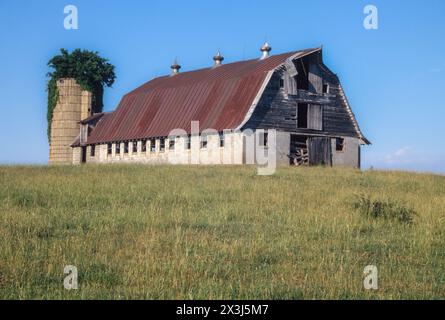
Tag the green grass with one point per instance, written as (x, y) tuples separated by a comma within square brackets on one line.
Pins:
[(175, 232)]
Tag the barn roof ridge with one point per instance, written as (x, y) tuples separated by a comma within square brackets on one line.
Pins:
[(211, 70), (240, 61), (219, 98)]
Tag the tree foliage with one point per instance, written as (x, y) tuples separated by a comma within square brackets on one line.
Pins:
[(91, 72)]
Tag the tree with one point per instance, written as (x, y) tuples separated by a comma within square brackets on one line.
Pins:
[(91, 72)]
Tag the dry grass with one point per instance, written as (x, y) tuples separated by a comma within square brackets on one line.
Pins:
[(171, 232)]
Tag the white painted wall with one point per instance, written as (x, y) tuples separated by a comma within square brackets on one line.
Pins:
[(231, 153), (349, 157)]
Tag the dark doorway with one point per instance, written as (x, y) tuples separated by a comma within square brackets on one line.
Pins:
[(83, 155), (302, 115), (319, 149), (298, 150)]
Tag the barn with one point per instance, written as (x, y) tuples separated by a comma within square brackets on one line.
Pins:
[(289, 106)]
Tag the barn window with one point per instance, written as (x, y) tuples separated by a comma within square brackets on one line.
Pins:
[(109, 148), (302, 115), (171, 143), (135, 147), (340, 144), (204, 141), (281, 83), (126, 147), (92, 150), (118, 148), (162, 144), (188, 143), (264, 139), (144, 146), (152, 145), (221, 140), (325, 88)]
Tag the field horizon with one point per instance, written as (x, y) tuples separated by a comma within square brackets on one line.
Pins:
[(220, 232)]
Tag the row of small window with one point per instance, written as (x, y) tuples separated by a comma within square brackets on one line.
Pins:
[(162, 145), (339, 144)]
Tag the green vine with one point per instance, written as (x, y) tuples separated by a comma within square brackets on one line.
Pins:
[(53, 96), (90, 71)]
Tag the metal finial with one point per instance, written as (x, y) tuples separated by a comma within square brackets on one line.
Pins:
[(175, 67), (218, 58), (265, 49)]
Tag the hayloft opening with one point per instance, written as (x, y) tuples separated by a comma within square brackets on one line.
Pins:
[(302, 115), (325, 88), (303, 74)]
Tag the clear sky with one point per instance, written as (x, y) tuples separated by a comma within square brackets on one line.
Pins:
[(394, 76)]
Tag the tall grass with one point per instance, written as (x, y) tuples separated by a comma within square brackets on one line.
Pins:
[(167, 232)]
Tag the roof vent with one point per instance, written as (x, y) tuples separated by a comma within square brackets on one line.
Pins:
[(218, 59), (265, 49), (175, 67)]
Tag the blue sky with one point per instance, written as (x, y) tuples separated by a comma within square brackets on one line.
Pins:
[(394, 76)]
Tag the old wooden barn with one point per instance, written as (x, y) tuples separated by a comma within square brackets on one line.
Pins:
[(202, 116)]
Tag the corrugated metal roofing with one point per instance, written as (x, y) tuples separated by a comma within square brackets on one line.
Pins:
[(218, 98)]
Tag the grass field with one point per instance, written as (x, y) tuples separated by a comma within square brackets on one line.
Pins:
[(160, 232)]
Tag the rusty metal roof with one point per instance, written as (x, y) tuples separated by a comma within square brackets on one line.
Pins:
[(218, 98)]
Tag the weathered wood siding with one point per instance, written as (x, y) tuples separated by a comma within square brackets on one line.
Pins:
[(315, 117), (315, 77), (278, 110), (290, 85), (320, 151)]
